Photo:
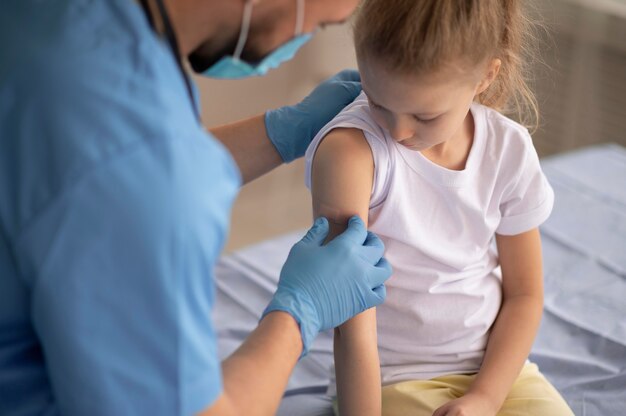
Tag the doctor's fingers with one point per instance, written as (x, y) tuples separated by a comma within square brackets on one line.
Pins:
[(372, 250), (317, 233), (354, 235), (350, 75), (380, 273), (373, 241), (380, 293)]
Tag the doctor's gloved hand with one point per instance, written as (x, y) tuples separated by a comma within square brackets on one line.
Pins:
[(322, 286), (292, 128)]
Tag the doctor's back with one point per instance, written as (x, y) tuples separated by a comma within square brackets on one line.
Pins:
[(114, 205)]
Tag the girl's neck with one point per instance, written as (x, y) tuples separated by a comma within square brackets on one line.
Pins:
[(453, 154)]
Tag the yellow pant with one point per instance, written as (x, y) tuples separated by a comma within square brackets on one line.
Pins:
[(531, 395)]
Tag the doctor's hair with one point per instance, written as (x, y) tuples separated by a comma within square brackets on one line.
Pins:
[(417, 37)]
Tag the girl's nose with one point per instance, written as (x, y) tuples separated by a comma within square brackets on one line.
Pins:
[(400, 131)]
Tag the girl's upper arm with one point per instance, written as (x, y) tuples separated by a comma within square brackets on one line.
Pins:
[(342, 177), (521, 262), (341, 184)]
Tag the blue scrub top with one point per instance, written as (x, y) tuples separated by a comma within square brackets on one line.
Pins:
[(114, 206)]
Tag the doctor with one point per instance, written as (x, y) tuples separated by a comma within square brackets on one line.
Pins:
[(114, 206)]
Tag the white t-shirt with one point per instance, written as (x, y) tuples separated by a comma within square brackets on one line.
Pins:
[(438, 227)]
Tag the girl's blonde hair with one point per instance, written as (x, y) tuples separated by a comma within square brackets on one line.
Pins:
[(421, 36)]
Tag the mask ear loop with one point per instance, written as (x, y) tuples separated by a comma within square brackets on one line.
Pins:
[(245, 28), (299, 17)]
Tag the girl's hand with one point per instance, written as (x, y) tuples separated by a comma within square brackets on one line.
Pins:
[(472, 404)]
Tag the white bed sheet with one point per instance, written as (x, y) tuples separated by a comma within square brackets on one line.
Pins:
[(581, 346)]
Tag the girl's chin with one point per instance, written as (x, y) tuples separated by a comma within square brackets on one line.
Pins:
[(415, 146)]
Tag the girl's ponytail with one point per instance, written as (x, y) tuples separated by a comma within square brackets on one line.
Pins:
[(510, 92)]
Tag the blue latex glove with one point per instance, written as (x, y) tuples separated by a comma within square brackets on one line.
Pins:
[(292, 128), (322, 286)]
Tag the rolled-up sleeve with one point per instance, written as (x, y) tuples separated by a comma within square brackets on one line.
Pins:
[(530, 200)]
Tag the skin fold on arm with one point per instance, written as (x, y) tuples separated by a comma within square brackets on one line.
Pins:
[(342, 177)]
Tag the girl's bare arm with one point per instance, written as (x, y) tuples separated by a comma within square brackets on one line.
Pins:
[(515, 328), (342, 178)]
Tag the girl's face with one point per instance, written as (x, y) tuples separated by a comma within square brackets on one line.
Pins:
[(421, 112)]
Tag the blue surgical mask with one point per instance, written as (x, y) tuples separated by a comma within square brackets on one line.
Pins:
[(233, 67)]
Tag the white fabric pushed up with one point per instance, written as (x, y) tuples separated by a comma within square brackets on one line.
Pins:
[(438, 227)]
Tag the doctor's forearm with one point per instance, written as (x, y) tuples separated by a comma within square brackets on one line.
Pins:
[(247, 141), (255, 376)]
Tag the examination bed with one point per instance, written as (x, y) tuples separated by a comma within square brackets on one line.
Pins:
[(581, 345)]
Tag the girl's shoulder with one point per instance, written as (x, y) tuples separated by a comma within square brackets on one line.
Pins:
[(353, 128), (355, 115)]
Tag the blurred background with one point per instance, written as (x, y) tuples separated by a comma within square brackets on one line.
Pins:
[(580, 83)]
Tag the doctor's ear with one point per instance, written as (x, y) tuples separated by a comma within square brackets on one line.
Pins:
[(493, 68)]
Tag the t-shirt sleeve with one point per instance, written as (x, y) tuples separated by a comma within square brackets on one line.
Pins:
[(359, 119), (528, 201), (122, 291)]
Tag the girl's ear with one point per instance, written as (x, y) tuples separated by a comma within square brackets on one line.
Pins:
[(492, 72)]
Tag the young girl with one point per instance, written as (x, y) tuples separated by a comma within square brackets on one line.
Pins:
[(425, 157)]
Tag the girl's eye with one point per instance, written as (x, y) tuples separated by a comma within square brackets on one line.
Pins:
[(423, 121)]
